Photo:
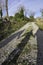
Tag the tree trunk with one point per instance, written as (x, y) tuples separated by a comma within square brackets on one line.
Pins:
[(7, 7), (1, 13)]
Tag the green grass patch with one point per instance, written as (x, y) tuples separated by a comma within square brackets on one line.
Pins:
[(8, 29), (40, 24), (28, 30)]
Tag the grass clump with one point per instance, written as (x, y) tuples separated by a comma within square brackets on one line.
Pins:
[(40, 24)]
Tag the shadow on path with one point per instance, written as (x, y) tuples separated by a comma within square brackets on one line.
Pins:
[(39, 35), (17, 51), (7, 40)]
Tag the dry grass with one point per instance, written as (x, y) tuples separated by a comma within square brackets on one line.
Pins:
[(40, 24)]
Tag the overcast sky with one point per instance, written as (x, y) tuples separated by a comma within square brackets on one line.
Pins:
[(30, 5)]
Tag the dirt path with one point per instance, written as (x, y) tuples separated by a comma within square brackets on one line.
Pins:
[(10, 43), (34, 28)]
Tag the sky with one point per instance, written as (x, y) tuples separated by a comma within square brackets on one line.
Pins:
[(29, 5)]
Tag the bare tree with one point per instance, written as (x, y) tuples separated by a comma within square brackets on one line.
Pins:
[(41, 12), (0, 9), (7, 7), (2, 6)]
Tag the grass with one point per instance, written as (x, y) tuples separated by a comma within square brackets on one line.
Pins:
[(18, 25), (28, 30), (9, 29), (40, 24)]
